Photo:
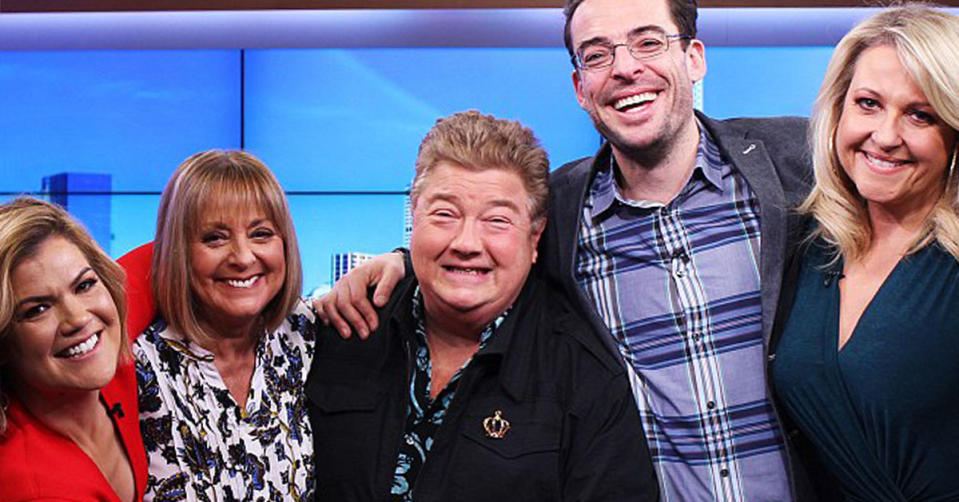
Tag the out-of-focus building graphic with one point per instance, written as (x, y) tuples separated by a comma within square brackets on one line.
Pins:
[(344, 262), (87, 197), (407, 219)]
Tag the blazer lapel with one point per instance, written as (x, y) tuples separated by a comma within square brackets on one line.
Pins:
[(750, 158)]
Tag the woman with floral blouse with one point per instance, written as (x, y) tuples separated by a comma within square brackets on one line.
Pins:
[(221, 369)]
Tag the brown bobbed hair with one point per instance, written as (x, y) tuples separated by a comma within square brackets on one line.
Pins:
[(216, 181)]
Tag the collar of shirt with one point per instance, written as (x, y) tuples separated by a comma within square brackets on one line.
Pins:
[(419, 318), (708, 169)]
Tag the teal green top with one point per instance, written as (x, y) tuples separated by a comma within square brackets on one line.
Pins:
[(883, 412)]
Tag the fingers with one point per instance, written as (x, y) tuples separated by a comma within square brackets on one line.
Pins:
[(325, 308), (390, 274), (347, 307)]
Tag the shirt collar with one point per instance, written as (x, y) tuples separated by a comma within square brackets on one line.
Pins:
[(708, 167), (419, 319)]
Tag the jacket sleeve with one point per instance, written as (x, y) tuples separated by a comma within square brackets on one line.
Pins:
[(607, 456)]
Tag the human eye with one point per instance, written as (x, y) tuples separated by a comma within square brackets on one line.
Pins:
[(647, 44), (595, 55), (867, 103), (922, 117), (263, 232), (87, 284), (213, 237), (32, 311)]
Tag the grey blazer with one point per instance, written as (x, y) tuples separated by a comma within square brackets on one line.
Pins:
[(773, 157)]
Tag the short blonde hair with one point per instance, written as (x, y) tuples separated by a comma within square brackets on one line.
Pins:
[(479, 142), (926, 41), (204, 182), (25, 224)]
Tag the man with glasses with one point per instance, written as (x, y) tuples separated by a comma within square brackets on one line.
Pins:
[(672, 239)]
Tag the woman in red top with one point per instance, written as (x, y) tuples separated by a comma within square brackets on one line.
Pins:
[(68, 420)]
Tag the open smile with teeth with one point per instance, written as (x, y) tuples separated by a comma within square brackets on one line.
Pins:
[(634, 101), (80, 348), (468, 271), (884, 164), (244, 283)]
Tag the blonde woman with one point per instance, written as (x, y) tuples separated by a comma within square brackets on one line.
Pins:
[(68, 410), (222, 369), (868, 362)]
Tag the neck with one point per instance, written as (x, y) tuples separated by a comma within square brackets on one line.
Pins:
[(78, 416), (230, 341), (658, 174), (456, 332), (896, 227)]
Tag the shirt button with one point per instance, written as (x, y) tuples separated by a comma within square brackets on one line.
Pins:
[(724, 473), (697, 336), (679, 273), (711, 404)]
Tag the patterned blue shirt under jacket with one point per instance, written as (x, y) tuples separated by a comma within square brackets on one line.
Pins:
[(425, 414), (678, 286)]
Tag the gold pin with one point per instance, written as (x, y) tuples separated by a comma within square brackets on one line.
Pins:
[(496, 426)]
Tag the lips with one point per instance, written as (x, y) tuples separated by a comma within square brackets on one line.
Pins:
[(243, 283), (883, 164), (80, 348), (632, 101), (469, 271)]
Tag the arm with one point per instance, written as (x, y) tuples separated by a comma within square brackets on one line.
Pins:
[(347, 304), (607, 457)]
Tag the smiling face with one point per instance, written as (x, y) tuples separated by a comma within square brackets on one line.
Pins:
[(889, 140), (237, 266), (65, 334), (473, 242), (639, 106)]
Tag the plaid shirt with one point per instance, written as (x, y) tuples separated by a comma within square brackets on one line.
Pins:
[(678, 287)]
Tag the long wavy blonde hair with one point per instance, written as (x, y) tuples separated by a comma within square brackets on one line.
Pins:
[(926, 41)]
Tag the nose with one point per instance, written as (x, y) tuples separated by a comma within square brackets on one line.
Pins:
[(241, 253), (74, 315), (467, 240), (624, 64), (887, 133)]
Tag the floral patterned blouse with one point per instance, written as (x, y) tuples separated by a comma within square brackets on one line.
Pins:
[(201, 445)]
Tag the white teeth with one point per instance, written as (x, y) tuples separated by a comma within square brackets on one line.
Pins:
[(82, 348), (636, 99), (470, 271), (885, 164), (242, 284)]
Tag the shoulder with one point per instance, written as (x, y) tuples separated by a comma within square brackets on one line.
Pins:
[(573, 172), (34, 462), (579, 343)]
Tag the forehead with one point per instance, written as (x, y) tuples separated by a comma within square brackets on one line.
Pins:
[(614, 19), (55, 260), (447, 181), (880, 69)]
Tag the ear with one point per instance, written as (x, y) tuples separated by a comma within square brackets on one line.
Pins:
[(696, 60), (578, 88), (536, 233)]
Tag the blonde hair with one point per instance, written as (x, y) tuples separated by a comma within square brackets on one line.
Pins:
[(207, 181), (926, 42), (478, 142), (25, 224)]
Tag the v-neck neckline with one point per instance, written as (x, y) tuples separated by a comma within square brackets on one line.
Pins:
[(892, 276)]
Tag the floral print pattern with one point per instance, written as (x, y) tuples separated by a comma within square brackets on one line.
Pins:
[(201, 445)]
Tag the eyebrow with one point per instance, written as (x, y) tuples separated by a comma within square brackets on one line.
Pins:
[(452, 198), (639, 30), (48, 298)]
